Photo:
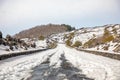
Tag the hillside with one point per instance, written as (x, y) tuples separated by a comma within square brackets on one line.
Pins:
[(44, 30), (101, 38)]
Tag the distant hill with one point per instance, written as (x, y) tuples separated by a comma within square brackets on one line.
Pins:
[(44, 30)]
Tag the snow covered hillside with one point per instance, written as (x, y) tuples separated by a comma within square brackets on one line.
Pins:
[(102, 38), (61, 63)]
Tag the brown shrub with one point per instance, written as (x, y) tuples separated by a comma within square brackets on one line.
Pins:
[(41, 37), (68, 42), (108, 38), (91, 43), (77, 44), (52, 45), (106, 32), (71, 35)]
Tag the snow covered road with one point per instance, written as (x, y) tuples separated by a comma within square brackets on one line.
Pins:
[(61, 63)]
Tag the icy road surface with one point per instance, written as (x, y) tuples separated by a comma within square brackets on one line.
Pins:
[(61, 63)]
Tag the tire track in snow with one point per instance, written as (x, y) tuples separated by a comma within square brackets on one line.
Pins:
[(65, 71), (21, 68)]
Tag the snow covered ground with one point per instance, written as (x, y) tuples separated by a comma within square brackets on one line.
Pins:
[(40, 44), (61, 63), (2, 49)]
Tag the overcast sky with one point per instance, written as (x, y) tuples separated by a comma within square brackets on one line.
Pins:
[(16, 15)]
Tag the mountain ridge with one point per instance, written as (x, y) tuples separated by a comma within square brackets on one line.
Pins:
[(43, 30)]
